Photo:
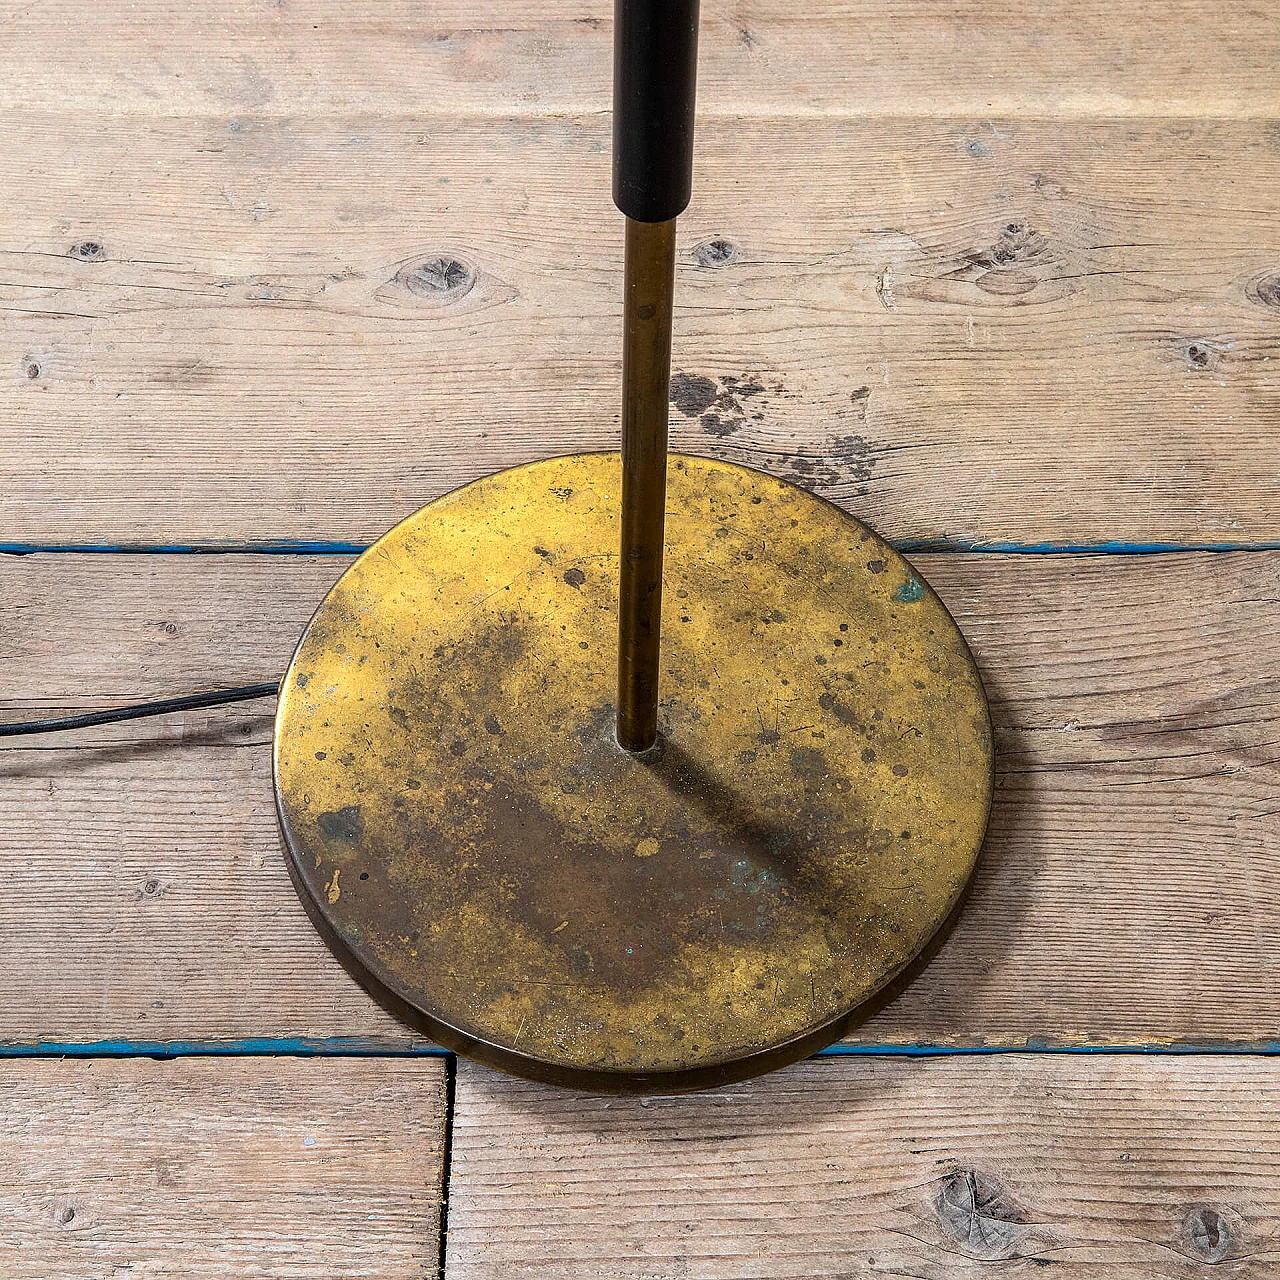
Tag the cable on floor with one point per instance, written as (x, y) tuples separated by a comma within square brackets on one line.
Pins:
[(192, 701)]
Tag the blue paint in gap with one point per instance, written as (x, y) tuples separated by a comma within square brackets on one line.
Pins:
[(333, 1047), (927, 546), (911, 546), (269, 547), (372, 1047), (1265, 1048)]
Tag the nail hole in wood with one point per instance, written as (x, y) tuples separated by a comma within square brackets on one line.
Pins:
[(716, 253)]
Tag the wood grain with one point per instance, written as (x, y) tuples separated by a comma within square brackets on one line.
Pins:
[(1169, 57), (982, 273), (251, 1167), (252, 330), (1099, 1167), (1128, 893)]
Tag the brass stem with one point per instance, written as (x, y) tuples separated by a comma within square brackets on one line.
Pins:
[(646, 378)]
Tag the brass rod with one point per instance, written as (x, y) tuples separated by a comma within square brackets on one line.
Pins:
[(646, 377)]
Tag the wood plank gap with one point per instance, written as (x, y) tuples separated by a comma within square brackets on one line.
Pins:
[(373, 1047), (446, 1159), (265, 1047), (756, 114), (1189, 1048), (284, 547), (909, 546)]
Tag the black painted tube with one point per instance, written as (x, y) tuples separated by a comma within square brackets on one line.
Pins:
[(655, 68)]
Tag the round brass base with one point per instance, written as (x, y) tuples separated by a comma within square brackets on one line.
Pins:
[(484, 858)]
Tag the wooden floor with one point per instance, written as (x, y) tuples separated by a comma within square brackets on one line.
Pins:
[(272, 275)]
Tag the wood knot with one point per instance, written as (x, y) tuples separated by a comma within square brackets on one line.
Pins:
[(32, 369), (66, 1216), (437, 278), (1265, 290), (1202, 356), (151, 888), (88, 251), (1011, 265), (1016, 245), (1208, 1233), (979, 1214), (716, 253)]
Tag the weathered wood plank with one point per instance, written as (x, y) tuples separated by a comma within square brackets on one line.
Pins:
[(977, 58), (250, 1167), (1129, 891), (250, 329), (1101, 1167)]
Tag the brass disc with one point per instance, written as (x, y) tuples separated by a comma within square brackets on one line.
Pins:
[(474, 845)]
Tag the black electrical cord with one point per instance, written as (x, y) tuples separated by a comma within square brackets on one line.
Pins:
[(246, 693)]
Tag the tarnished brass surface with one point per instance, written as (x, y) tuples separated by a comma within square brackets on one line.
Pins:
[(473, 843)]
